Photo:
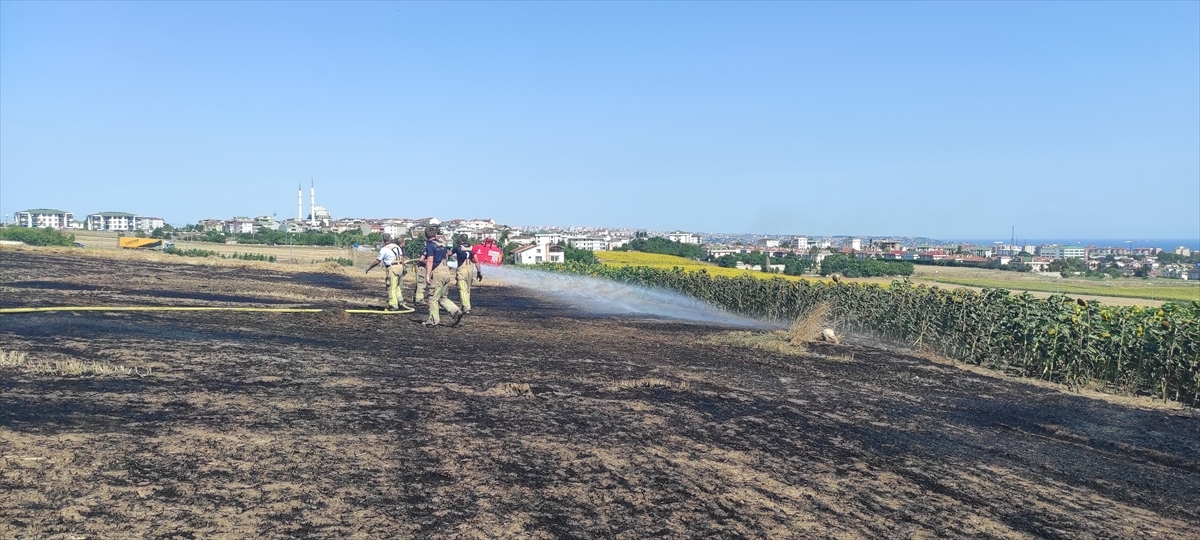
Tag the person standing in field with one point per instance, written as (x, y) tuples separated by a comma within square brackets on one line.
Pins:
[(438, 278), (466, 263), (419, 272), (392, 259)]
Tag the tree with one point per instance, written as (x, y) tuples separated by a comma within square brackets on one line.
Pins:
[(413, 248), (37, 237), (574, 254), (664, 246), (854, 267)]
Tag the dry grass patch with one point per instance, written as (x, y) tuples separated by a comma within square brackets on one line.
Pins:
[(647, 382), (811, 326), (12, 359), (509, 390), (776, 342), (68, 368), (807, 328)]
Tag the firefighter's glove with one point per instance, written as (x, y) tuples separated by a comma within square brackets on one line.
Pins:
[(478, 276)]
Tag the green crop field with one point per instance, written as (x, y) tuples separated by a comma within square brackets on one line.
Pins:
[(1152, 350), (667, 262), (1155, 289)]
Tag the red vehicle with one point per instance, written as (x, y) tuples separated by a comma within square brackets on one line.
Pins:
[(488, 253)]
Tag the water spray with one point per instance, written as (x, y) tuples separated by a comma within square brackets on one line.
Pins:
[(606, 297)]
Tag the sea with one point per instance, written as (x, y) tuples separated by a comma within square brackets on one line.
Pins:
[(1167, 244)]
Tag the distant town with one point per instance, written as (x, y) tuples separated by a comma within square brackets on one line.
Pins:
[(537, 244)]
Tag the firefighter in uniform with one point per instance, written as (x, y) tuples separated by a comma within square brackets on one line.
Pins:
[(419, 272), (391, 256), (466, 263), (438, 278)]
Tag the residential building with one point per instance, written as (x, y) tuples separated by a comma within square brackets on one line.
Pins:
[(479, 223), (802, 243), (539, 253), (590, 244), (721, 252), (40, 218), (394, 229), (546, 239), (1038, 264), (111, 221), (211, 225), (1055, 251), (615, 243), (1176, 271), (148, 224), (684, 238), (241, 225), (887, 245), (1183, 251)]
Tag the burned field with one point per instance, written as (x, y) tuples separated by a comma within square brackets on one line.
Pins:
[(531, 420)]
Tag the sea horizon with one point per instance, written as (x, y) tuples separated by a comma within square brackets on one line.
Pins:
[(1167, 244)]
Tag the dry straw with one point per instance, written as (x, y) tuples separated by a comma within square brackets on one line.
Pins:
[(67, 368), (811, 326)]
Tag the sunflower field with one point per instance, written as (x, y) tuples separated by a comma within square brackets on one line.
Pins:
[(1146, 350)]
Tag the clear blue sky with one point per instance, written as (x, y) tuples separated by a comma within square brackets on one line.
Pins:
[(952, 120)]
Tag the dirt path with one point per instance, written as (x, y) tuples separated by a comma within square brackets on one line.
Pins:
[(531, 421)]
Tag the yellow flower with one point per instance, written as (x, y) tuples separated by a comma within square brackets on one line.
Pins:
[(1105, 335)]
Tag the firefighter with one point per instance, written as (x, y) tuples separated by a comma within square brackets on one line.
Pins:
[(438, 278), (419, 272), (391, 256), (466, 262)]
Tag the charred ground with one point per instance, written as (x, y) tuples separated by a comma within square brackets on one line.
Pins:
[(530, 420)]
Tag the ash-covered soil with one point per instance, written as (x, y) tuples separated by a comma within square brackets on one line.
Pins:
[(531, 420)]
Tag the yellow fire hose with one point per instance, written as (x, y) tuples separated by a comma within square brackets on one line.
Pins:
[(155, 308), (196, 308)]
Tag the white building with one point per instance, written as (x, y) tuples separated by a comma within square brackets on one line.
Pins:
[(771, 243), (1183, 251), (684, 238), (802, 243), (487, 234), (545, 239), (40, 218), (111, 221), (588, 243), (148, 224), (539, 253), (1055, 251), (479, 223), (721, 252), (240, 225), (394, 229), (615, 243), (856, 244)]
